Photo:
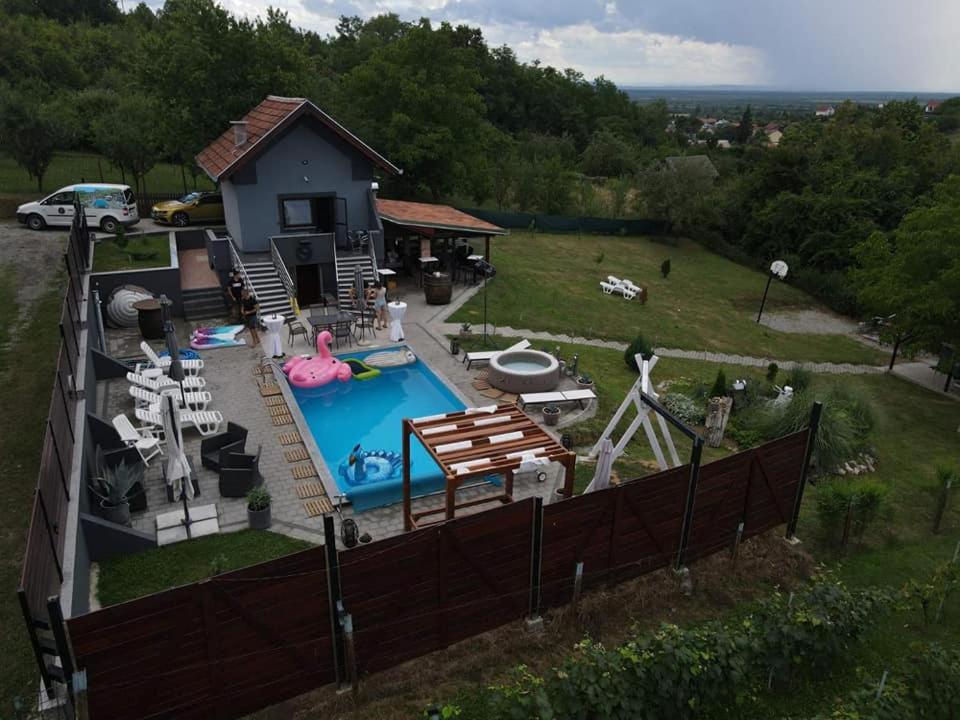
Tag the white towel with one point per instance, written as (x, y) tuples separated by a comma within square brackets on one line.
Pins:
[(465, 466), (506, 437), (428, 418), (453, 447), (522, 453), (439, 429), (484, 409), (492, 420)]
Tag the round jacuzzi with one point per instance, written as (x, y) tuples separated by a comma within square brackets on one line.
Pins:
[(524, 371)]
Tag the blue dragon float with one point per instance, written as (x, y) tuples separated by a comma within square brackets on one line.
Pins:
[(370, 466)]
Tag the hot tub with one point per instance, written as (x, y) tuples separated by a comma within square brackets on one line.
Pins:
[(524, 371)]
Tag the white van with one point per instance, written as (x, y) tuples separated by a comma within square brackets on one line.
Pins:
[(106, 207)]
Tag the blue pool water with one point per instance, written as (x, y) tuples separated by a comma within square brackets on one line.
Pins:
[(370, 412)]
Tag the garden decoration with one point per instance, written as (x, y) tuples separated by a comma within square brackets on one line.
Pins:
[(633, 399)]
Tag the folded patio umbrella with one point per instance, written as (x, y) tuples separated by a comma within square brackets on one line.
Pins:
[(601, 476), (175, 371), (177, 468)]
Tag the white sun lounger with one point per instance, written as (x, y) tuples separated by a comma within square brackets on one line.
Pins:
[(553, 398), (485, 355), (190, 367), (207, 422), (609, 288), (196, 400), (146, 443), (161, 383)]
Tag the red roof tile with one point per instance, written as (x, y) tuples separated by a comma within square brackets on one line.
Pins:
[(222, 157), (438, 217)]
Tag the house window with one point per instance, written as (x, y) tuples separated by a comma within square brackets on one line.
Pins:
[(298, 213)]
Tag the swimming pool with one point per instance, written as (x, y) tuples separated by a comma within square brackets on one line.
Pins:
[(369, 413)]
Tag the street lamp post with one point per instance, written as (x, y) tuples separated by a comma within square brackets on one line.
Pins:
[(778, 269)]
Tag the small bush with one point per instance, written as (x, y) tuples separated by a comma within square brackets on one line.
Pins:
[(665, 268), (641, 346), (772, 370), (719, 388), (799, 379), (258, 499), (744, 438), (685, 408), (865, 500)]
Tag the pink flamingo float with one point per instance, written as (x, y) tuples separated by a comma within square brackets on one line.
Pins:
[(311, 372)]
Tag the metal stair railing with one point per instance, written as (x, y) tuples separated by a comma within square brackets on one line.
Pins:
[(238, 264), (282, 271)]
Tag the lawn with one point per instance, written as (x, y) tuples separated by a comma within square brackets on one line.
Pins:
[(68, 168), (141, 252), (550, 283), (26, 373), (132, 576)]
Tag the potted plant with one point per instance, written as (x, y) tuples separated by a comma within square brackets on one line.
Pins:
[(584, 381), (258, 508), (551, 415), (115, 488), (465, 329)]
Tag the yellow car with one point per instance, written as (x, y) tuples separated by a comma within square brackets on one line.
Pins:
[(194, 207)]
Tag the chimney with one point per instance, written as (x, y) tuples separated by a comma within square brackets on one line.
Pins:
[(239, 132)]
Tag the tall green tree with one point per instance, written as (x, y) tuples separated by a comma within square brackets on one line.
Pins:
[(31, 130), (126, 135), (745, 129)]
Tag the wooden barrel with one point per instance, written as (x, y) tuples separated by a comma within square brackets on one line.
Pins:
[(437, 288)]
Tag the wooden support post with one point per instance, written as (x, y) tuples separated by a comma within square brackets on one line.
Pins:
[(508, 485), (81, 710), (407, 503), (334, 598), (815, 414), (536, 558), (350, 656), (570, 467), (450, 497)]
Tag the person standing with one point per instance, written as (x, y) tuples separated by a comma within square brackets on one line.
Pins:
[(380, 306), (235, 291), (249, 310)]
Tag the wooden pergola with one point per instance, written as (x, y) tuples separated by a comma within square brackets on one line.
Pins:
[(472, 443)]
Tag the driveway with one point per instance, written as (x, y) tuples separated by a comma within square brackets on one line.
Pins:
[(33, 257)]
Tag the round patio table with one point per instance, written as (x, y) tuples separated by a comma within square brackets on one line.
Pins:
[(397, 310), (272, 347), (149, 318), (326, 321)]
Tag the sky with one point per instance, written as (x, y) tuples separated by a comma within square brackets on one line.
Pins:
[(901, 45)]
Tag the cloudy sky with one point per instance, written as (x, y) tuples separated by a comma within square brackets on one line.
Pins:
[(906, 45)]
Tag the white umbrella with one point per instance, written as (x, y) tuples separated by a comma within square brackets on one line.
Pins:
[(177, 469), (601, 477)]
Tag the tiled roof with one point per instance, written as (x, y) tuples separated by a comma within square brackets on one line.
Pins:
[(437, 217), (222, 157)]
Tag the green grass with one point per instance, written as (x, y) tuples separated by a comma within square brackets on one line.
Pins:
[(132, 576), (26, 396), (551, 283), (141, 252), (68, 168)]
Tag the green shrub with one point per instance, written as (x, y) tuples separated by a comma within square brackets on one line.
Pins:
[(743, 437), (865, 500), (772, 370), (719, 388), (258, 499), (641, 346), (665, 268), (799, 379), (685, 408)]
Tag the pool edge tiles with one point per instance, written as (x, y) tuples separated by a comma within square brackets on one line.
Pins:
[(420, 385)]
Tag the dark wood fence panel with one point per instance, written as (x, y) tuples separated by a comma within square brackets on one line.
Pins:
[(220, 648), (755, 487), (392, 591)]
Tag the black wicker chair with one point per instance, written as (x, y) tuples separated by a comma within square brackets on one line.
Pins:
[(239, 473), (235, 438)]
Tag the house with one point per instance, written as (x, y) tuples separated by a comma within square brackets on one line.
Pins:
[(774, 137), (932, 106), (723, 144), (825, 111), (771, 127), (693, 164)]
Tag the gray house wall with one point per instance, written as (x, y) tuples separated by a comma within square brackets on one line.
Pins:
[(308, 150)]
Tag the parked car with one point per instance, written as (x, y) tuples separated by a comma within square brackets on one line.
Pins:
[(106, 206), (194, 207)]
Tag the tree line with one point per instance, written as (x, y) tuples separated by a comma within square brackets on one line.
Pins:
[(473, 124)]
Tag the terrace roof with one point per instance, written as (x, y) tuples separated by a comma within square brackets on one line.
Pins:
[(429, 218)]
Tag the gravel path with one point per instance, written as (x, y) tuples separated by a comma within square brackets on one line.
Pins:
[(34, 257), (809, 322)]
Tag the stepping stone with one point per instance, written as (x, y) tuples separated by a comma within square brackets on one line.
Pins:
[(492, 393), (508, 397), (310, 490), (483, 374), (290, 438), (318, 507), (274, 400), (296, 455), (303, 472), (278, 410), (279, 420), (481, 385), (263, 370), (268, 390)]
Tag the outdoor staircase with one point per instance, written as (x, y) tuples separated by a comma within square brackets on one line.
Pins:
[(205, 303), (268, 288), (346, 274)]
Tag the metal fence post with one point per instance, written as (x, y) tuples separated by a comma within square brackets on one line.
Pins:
[(80, 708), (536, 558), (59, 629), (35, 641), (815, 414), (695, 455), (56, 452), (334, 598), (50, 534)]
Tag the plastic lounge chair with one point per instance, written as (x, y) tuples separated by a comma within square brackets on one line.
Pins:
[(579, 396), (485, 355), (162, 383), (239, 473), (190, 367), (628, 293), (541, 398), (207, 422), (233, 440), (196, 400), (146, 443), (608, 287)]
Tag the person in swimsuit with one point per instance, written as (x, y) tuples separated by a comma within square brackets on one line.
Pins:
[(380, 306)]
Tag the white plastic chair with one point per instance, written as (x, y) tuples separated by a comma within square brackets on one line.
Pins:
[(160, 383), (190, 367), (207, 422), (196, 400), (146, 443)]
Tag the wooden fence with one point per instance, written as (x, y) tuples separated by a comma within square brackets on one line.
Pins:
[(238, 642)]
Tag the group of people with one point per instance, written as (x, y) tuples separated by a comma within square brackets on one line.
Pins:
[(375, 296), (245, 303)]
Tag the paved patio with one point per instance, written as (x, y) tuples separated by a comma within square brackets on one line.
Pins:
[(232, 379)]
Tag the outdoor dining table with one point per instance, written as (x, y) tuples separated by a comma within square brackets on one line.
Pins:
[(326, 321), (397, 310), (272, 346)]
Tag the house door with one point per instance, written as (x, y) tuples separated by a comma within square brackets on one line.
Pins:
[(308, 284)]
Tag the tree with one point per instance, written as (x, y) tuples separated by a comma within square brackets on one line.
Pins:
[(607, 155), (680, 196), (126, 134), (914, 273), (745, 129), (32, 130)]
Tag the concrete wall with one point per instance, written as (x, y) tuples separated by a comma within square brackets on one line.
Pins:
[(332, 166), (156, 280)]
